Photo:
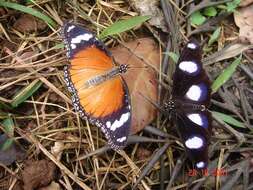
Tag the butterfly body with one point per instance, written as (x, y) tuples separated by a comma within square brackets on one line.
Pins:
[(106, 76), (190, 99), (99, 93)]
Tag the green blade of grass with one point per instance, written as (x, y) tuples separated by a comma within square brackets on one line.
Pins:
[(8, 125), (28, 10), (5, 105), (59, 46), (25, 93), (173, 56), (225, 75), (228, 119), (123, 25), (3, 114), (214, 37)]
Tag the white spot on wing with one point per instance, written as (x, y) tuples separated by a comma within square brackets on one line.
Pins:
[(118, 123), (70, 28), (73, 46), (194, 142), (191, 45), (200, 164), (196, 118), (194, 93), (188, 66), (78, 39), (121, 139)]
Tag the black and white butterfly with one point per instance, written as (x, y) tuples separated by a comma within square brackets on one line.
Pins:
[(188, 106)]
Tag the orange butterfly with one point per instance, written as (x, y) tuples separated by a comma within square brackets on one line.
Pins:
[(99, 93)]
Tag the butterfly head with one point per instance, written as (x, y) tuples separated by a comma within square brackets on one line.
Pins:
[(123, 68), (169, 106)]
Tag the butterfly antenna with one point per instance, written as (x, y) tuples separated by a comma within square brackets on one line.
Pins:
[(132, 53), (162, 109)]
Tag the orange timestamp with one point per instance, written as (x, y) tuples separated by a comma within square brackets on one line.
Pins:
[(206, 172)]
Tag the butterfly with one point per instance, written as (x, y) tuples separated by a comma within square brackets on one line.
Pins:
[(189, 103), (99, 93)]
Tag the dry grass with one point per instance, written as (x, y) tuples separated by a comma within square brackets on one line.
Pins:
[(55, 132)]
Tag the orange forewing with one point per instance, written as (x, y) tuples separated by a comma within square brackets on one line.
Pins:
[(100, 100), (91, 57)]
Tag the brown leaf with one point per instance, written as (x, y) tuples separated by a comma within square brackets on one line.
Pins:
[(245, 3), (244, 20), (52, 186), (141, 80), (38, 174), (28, 57), (29, 23)]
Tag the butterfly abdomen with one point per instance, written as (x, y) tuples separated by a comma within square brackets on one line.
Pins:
[(96, 80)]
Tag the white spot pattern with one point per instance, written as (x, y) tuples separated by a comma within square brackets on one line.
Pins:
[(191, 45), (188, 66), (118, 123), (70, 28), (194, 142), (73, 46), (196, 118), (78, 39), (200, 164), (121, 139), (194, 93)]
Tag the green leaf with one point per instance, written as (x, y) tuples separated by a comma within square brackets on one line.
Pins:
[(214, 37), (231, 6), (173, 56), (210, 11), (123, 25), (28, 10), (25, 93), (228, 119), (225, 75), (59, 46), (197, 18)]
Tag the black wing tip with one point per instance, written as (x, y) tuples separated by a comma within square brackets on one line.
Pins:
[(117, 147), (193, 45), (193, 40), (192, 49), (67, 23)]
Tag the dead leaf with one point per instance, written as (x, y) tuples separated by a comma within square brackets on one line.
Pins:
[(28, 57), (141, 81), (52, 186), (245, 3), (227, 52), (29, 23), (10, 154), (151, 8), (38, 174), (244, 20)]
